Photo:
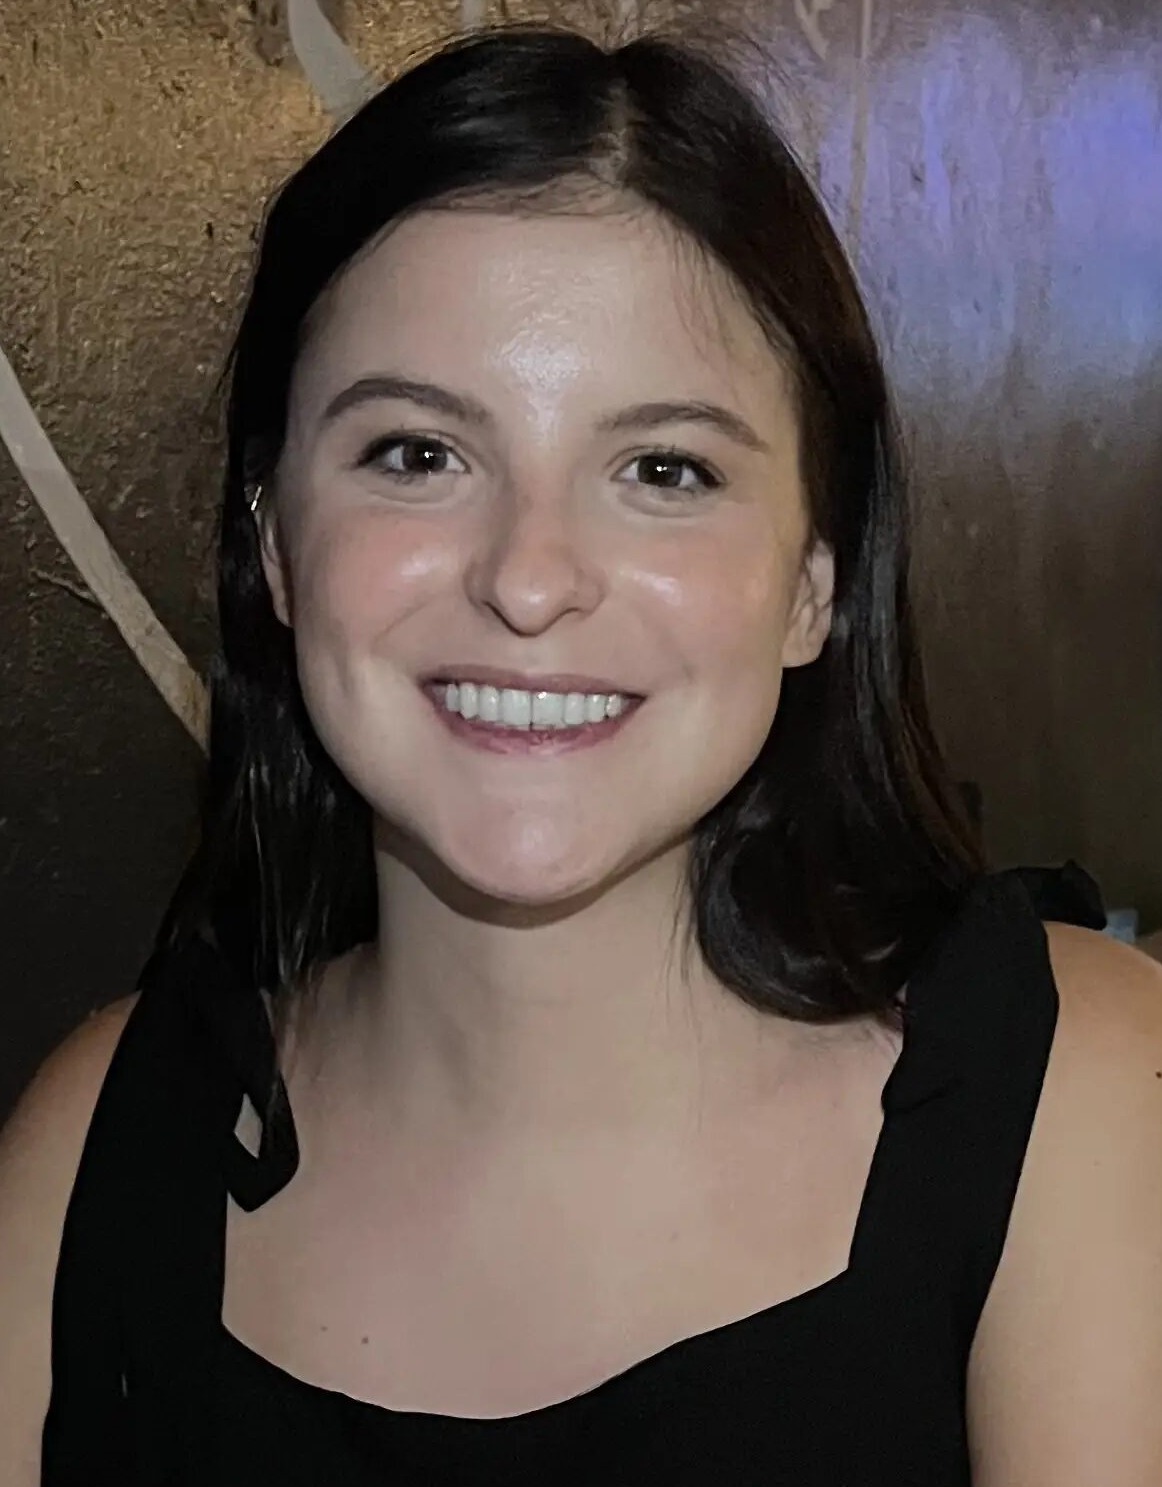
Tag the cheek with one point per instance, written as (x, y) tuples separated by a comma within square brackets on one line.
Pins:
[(356, 576), (365, 584), (729, 603)]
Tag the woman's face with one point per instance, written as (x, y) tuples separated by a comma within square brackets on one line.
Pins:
[(551, 456)]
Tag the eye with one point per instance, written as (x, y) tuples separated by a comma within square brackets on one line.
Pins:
[(412, 457), (669, 470)]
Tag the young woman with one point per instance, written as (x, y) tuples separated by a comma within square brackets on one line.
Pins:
[(584, 1046)]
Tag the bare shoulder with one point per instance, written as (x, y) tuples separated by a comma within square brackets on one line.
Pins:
[(1099, 1119), (1104, 983), (51, 1118), (40, 1148), (1067, 1364)]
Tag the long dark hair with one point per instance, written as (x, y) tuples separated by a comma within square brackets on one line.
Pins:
[(819, 879)]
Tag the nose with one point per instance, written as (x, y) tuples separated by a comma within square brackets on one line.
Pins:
[(531, 569)]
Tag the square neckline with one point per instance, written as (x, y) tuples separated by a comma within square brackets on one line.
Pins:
[(921, 1070), (669, 1357)]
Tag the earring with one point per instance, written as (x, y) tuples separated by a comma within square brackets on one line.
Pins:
[(253, 496)]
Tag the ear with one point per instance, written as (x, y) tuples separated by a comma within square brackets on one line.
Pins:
[(274, 559), (810, 622)]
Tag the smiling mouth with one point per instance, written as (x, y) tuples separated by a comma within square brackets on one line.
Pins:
[(522, 720)]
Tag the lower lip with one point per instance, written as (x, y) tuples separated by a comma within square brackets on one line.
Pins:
[(544, 743)]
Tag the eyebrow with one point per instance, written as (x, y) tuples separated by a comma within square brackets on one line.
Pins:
[(710, 415), (406, 390), (468, 410)]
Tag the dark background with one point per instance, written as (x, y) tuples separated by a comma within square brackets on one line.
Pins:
[(996, 168)]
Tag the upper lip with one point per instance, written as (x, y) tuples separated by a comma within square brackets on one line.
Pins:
[(525, 681)]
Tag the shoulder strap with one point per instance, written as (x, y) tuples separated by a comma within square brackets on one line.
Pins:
[(137, 1302), (960, 1103)]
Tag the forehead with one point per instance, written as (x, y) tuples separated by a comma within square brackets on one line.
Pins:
[(600, 295)]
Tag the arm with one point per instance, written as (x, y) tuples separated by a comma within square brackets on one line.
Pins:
[(1065, 1379), (39, 1152)]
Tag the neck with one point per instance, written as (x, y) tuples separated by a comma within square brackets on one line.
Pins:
[(484, 1017)]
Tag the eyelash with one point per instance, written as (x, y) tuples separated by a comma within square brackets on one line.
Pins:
[(376, 450), (707, 479)]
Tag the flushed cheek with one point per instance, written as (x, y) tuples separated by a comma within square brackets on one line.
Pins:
[(748, 631), (723, 615), (365, 592), (357, 578)]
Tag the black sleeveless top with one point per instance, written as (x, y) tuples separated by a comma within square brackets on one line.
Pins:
[(857, 1383)]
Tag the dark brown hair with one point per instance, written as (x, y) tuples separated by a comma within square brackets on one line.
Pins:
[(819, 879)]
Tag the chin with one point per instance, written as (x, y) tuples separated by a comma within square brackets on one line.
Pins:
[(531, 883), (536, 888), (483, 873)]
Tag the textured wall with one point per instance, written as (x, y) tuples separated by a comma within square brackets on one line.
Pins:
[(996, 168)]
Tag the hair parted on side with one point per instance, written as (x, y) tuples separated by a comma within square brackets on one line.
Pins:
[(821, 877)]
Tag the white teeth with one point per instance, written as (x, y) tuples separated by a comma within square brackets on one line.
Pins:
[(512, 708), (548, 710), (574, 709), (516, 708), (489, 704)]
